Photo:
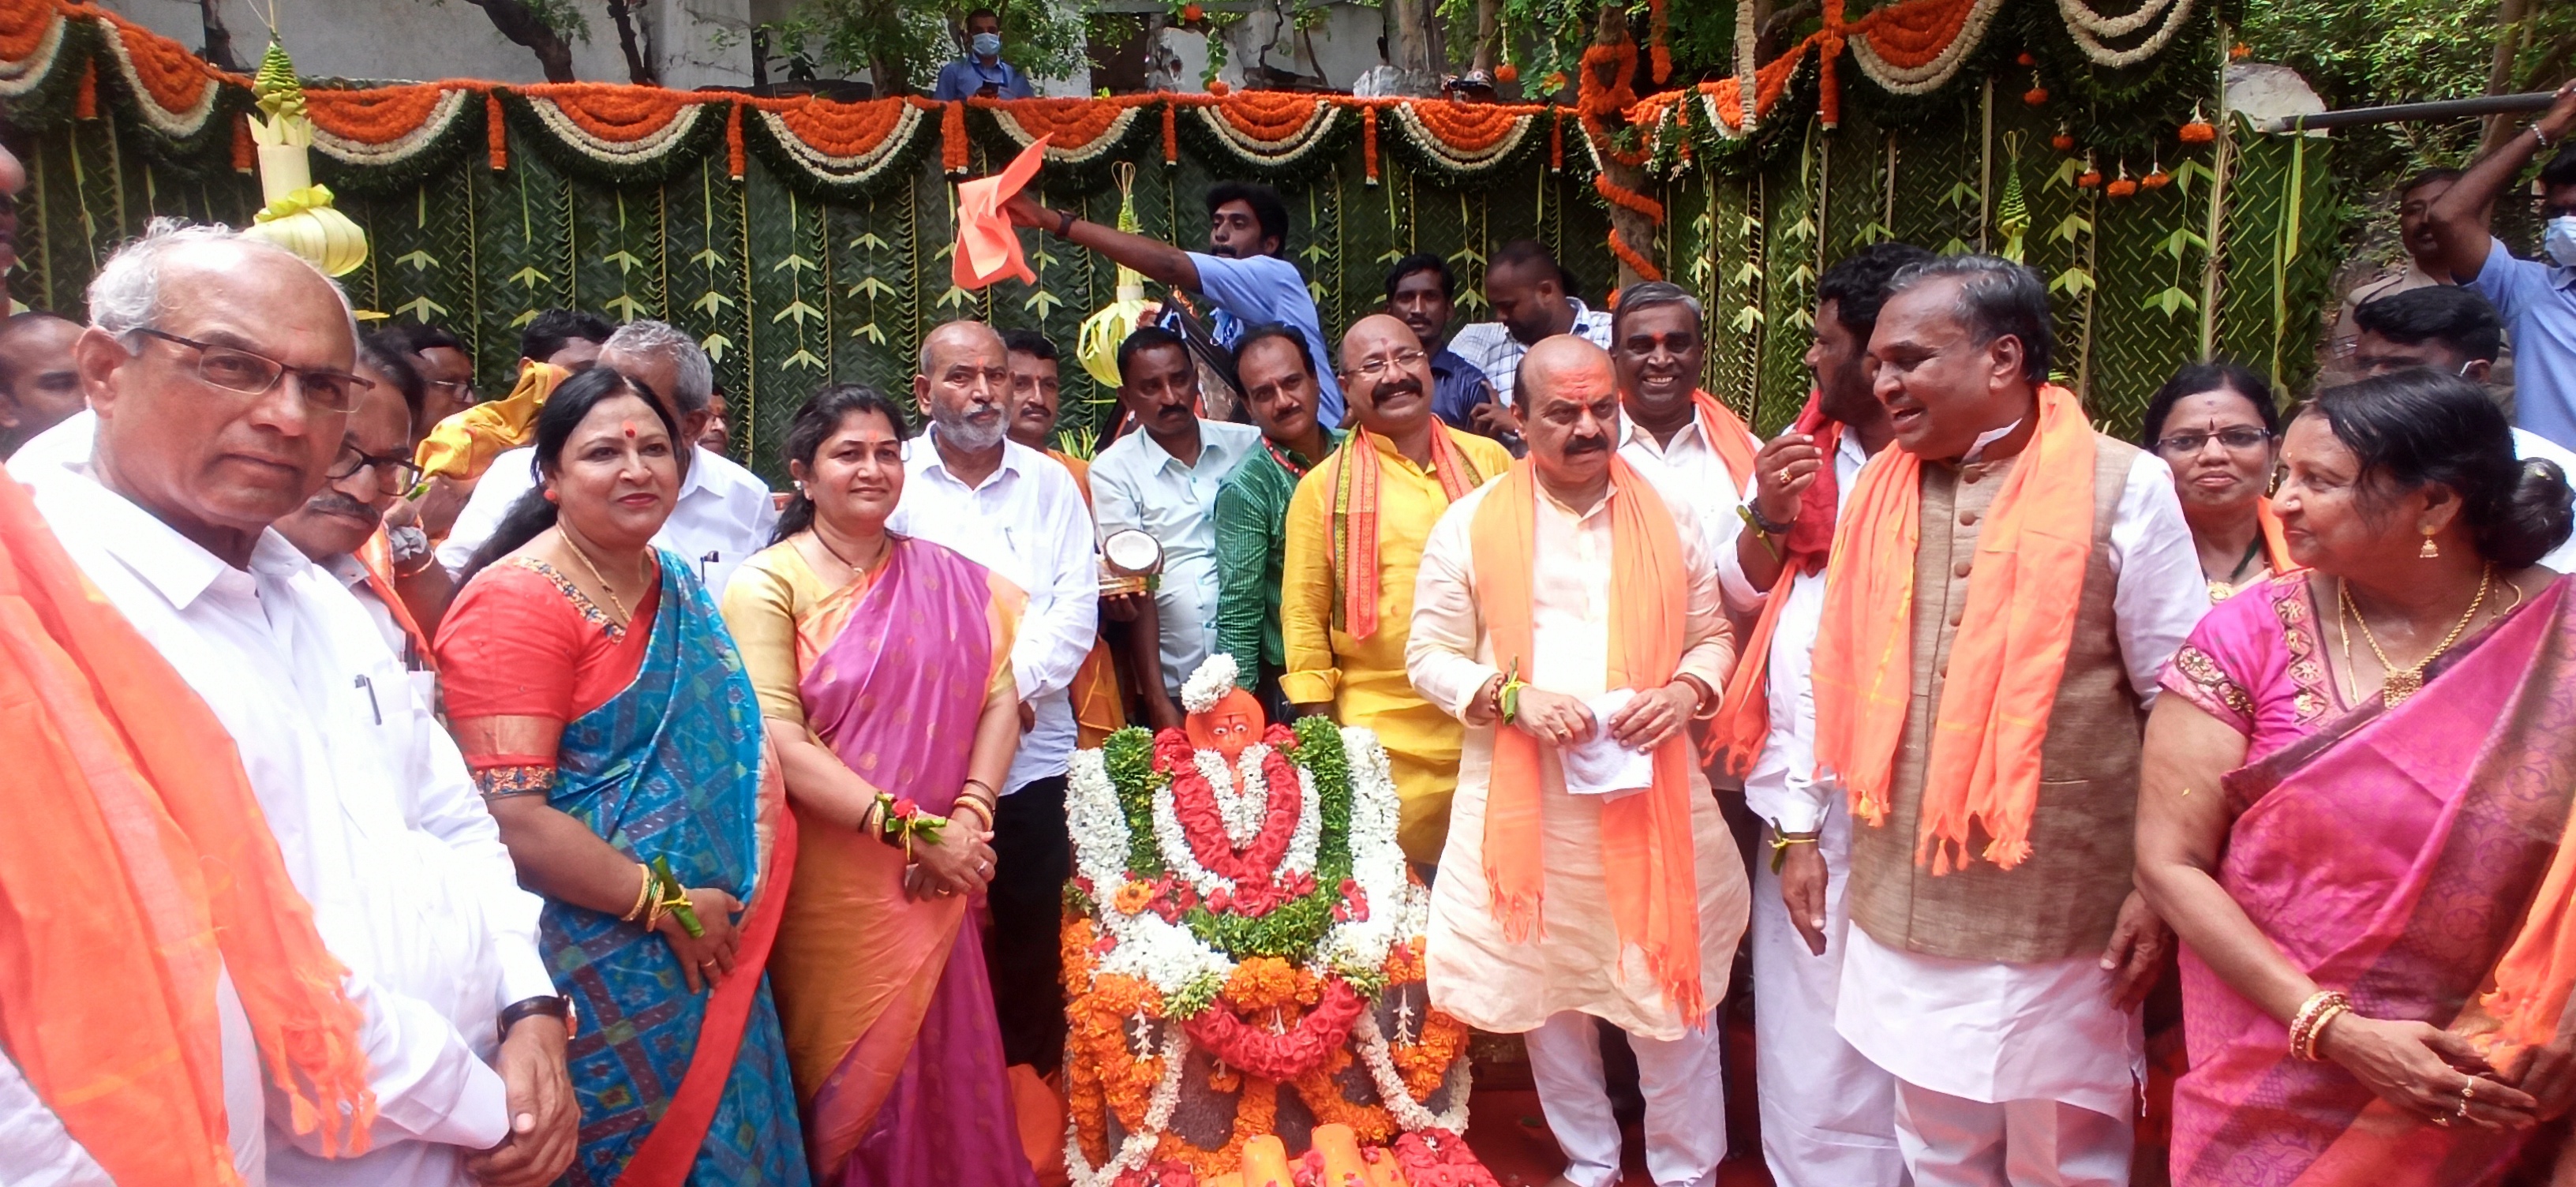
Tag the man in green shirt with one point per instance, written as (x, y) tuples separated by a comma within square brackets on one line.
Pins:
[(1279, 386)]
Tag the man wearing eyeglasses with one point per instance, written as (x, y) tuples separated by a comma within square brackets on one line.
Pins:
[(1344, 626), (218, 371), (342, 528)]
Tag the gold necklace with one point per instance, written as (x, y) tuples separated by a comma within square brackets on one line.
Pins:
[(2401, 683), (624, 616)]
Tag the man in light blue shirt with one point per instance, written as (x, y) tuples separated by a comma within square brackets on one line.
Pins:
[(1243, 271), (981, 73), (2536, 297), (1162, 479)]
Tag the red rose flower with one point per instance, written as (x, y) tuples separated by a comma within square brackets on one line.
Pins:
[(905, 807)]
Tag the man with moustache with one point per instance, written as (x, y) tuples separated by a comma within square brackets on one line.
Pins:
[(341, 528), (1252, 505), (724, 512), (38, 386), (1828, 1114), (1569, 615), (1422, 292), (1527, 289), (2005, 587), (1005, 506), (1679, 437), (218, 373), (1036, 396), (1245, 270), (1163, 481), (1355, 533)]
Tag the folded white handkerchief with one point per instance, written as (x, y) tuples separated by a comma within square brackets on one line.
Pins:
[(1602, 766)]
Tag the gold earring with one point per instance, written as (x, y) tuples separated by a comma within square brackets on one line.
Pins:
[(2428, 552)]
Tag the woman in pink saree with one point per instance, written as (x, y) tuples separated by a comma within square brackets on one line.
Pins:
[(883, 666), (2355, 813)]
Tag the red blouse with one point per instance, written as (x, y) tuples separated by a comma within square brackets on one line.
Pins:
[(522, 642)]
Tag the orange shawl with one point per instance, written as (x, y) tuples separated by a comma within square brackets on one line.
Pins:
[(1646, 853), (149, 869), (1727, 435), (1355, 513), (378, 558), (2005, 663)]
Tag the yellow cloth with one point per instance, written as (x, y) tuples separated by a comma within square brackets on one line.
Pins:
[(460, 447), (1363, 679)]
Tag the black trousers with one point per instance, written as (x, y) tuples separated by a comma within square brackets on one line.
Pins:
[(1033, 858)]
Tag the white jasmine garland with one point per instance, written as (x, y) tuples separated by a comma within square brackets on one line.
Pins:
[(1409, 1114), (1309, 837), (1138, 1147), (1098, 824), (1214, 678), (1167, 956), (1174, 845), (1241, 803), (1937, 73), (2088, 28)]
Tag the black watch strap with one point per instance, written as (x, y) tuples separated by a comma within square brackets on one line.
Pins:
[(557, 1007)]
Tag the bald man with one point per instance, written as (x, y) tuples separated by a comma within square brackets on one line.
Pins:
[(1344, 627), (38, 385), (1013, 510), (1569, 615)]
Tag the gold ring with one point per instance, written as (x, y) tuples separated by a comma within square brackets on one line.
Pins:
[(2468, 1088)]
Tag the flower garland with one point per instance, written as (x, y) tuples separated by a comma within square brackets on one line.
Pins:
[(174, 92), (1284, 1055), (1143, 1137), (31, 39), (1078, 131), (1917, 48), (1269, 130), (2088, 28), (383, 126), (1463, 139), (838, 148), (614, 125), (1412, 1114)]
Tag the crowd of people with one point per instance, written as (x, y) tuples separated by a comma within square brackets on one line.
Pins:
[(430, 789)]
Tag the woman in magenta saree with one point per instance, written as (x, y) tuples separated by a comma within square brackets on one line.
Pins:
[(883, 666), (2364, 845)]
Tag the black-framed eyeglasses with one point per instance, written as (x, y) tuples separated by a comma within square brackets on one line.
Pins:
[(392, 472), (236, 370), (1376, 369), (2238, 440)]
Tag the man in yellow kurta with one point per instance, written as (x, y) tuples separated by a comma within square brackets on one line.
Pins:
[(1355, 532)]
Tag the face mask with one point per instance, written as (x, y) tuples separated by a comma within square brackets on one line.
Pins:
[(2560, 240), (987, 44)]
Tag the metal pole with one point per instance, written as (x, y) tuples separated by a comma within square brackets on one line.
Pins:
[(2402, 112)]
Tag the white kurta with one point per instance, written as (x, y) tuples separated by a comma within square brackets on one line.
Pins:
[(379, 825), (1688, 469), (1576, 965), (1991, 1031), (1828, 1113)]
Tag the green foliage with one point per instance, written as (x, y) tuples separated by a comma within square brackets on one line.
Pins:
[(877, 38)]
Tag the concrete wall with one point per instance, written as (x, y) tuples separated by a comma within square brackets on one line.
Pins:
[(694, 42)]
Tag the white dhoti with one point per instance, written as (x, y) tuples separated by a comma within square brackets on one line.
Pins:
[(1828, 1113), (2019, 1074), (1685, 1102)]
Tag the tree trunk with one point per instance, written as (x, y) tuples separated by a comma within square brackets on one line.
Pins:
[(1408, 46), (1632, 228), (219, 40), (638, 70), (521, 24), (1489, 36), (2513, 20)]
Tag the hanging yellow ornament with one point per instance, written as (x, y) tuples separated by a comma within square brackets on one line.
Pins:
[(299, 216), (1103, 331)]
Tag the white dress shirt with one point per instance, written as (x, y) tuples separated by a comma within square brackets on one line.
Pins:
[(352, 574), (1027, 522), (1135, 484), (1689, 470), (1994, 1031), (380, 827), (1782, 787), (724, 513), (1491, 347)]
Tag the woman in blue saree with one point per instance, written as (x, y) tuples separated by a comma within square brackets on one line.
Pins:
[(616, 737)]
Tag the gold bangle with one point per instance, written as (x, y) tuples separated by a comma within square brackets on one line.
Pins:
[(2317, 1029), (2312, 1012), (965, 802), (643, 896)]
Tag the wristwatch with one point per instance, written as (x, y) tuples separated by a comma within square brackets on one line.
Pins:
[(558, 1006)]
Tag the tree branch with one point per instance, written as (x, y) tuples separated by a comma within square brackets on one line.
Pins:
[(638, 71), (1777, 25), (219, 40), (519, 21)]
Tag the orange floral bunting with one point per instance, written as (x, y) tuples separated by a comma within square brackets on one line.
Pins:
[(379, 115), (615, 114), (26, 28), (173, 78)]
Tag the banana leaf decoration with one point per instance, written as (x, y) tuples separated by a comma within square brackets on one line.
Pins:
[(1103, 331), (299, 216), (2012, 214)]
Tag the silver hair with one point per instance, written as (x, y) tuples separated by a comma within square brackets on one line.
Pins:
[(1647, 294), (125, 296), (694, 387)]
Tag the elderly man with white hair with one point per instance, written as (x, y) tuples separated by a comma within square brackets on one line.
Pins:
[(724, 514), (218, 371)]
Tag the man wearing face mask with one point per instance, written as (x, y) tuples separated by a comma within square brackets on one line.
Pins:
[(981, 74), (1010, 509), (2536, 297), (2454, 331)]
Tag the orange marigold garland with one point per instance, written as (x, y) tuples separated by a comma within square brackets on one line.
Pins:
[(733, 141), (1661, 31), (1171, 134), (85, 101), (245, 153), (1368, 140), (952, 138), (496, 132)]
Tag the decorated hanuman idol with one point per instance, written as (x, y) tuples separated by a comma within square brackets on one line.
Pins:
[(1243, 955)]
